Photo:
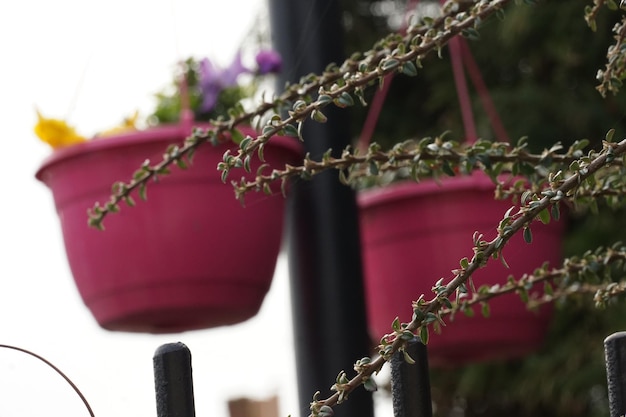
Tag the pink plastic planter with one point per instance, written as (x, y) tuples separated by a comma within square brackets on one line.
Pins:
[(190, 257), (413, 234)]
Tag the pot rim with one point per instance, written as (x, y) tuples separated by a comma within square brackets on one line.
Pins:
[(167, 134), (478, 181)]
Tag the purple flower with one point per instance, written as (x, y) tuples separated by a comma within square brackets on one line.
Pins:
[(268, 61), (214, 79)]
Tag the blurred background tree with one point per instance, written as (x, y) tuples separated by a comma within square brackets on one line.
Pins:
[(539, 65)]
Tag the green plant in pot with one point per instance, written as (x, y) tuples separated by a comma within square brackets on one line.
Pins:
[(172, 265)]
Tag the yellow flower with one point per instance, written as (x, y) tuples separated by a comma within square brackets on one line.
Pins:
[(56, 133), (128, 125)]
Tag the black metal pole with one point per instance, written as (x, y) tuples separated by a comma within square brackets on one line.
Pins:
[(615, 356), (324, 249), (173, 381), (410, 383)]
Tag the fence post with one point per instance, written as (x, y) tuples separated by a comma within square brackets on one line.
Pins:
[(173, 381), (615, 357), (410, 384)]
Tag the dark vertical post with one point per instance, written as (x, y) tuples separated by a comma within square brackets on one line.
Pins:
[(615, 356), (330, 329), (173, 381), (410, 384)]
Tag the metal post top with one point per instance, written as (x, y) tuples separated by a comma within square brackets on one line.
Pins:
[(615, 337), (171, 348)]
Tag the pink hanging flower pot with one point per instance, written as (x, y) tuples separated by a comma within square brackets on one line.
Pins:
[(190, 257), (415, 233)]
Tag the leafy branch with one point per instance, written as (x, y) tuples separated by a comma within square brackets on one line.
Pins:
[(337, 86), (425, 158), (427, 312), (573, 277), (577, 178), (615, 70)]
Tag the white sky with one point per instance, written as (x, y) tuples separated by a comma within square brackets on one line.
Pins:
[(126, 51)]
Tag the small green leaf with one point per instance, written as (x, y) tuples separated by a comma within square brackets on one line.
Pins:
[(373, 167), (409, 68), (448, 169), (291, 130), (142, 191), (396, 324), (503, 261), (547, 288), (236, 136), (165, 170), (318, 116), (324, 99), (129, 201), (428, 21), (471, 34), (112, 207), (344, 100), (370, 385), (245, 142), (556, 212), (259, 170), (485, 310), (407, 358), (95, 222), (407, 335), (616, 83), (389, 64), (180, 163), (609, 135), (528, 235), (190, 154), (544, 216), (424, 335), (430, 318), (326, 411), (365, 360), (523, 295)]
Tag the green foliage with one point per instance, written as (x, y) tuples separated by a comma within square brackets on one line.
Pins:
[(532, 59), (169, 105), (538, 66)]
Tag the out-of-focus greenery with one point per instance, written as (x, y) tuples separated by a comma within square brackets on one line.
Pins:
[(168, 101), (543, 58), (539, 64)]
